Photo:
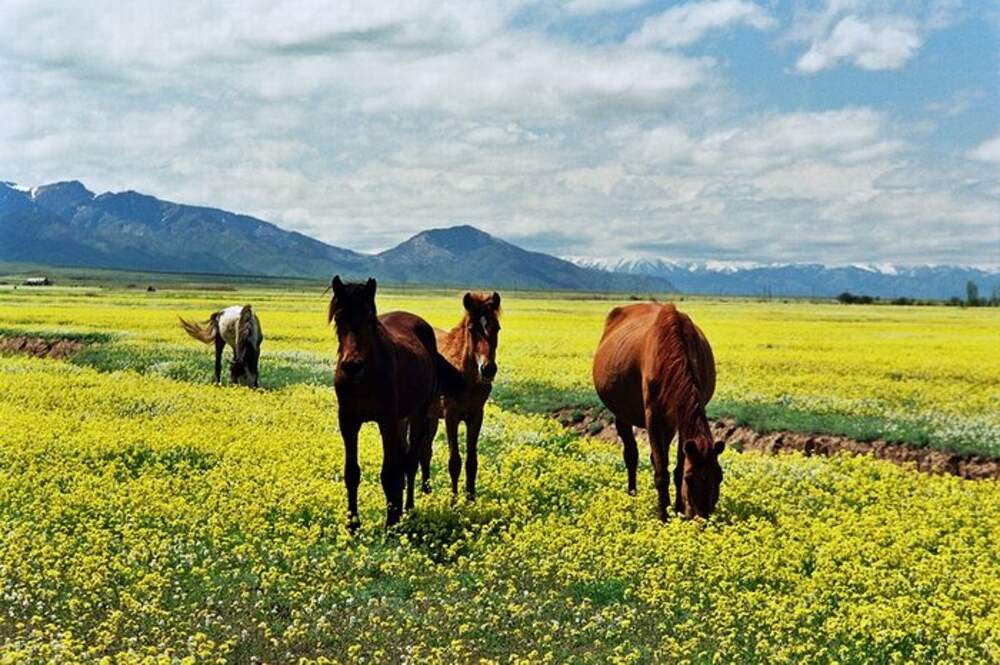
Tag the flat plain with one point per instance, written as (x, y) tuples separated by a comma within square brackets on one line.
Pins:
[(147, 514)]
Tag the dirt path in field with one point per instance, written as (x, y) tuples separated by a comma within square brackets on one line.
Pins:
[(598, 424), (37, 347)]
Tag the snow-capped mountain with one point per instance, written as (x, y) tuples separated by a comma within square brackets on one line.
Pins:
[(884, 280)]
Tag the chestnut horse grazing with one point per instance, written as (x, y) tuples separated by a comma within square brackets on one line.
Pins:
[(471, 348), (654, 369), (388, 371)]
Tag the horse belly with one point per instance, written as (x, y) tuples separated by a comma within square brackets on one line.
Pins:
[(414, 372), (618, 379)]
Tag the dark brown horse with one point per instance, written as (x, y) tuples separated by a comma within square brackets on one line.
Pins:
[(654, 369), (388, 371), (471, 348)]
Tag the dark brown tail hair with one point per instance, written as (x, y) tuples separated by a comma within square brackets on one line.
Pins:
[(205, 331)]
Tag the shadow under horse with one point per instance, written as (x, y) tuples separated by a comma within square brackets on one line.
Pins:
[(389, 372)]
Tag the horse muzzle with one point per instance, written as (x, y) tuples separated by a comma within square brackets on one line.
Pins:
[(352, 369), (488, 372)]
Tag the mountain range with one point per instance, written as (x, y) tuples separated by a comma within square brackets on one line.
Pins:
[(808, 279), (64, 223)]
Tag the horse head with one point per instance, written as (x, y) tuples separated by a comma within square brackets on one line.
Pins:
[(483, 330), (352, 310), (702, 476), (243, 369)]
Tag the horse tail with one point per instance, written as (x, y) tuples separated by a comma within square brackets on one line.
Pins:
[(205, 332), (450, 380)]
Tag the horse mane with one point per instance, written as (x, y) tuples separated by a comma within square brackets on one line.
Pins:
[(680, 385), (244, 331)]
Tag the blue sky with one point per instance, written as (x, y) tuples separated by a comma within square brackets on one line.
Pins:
[(836, 131)]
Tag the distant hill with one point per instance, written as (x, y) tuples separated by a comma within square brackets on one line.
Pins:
[(464, 254), (64, 223), (809, 279)]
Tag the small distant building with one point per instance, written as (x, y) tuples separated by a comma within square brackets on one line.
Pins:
[(38, 281)]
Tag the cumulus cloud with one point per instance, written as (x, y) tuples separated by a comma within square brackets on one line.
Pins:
[(870, 36), (987, 151), (688, 23), (887, 43), (361, 125)]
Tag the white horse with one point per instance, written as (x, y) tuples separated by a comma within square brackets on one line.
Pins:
[(238, 327)]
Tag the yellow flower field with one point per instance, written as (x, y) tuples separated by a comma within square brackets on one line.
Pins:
[(921, 375), (147, 516)]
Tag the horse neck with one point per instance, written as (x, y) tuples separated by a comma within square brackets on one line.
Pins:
[(682, 400), (245, 337), (456, 346)]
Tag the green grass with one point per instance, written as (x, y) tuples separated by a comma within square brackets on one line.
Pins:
[(86, 337)]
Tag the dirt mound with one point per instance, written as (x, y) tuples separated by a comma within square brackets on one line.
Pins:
[(598, 423), (39, 347)]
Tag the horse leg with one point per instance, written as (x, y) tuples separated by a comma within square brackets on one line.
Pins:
[(472, 427), (393, 466), (349, 428), (220, 345), (660, 435), (678, 477), (630, 451), (454, 456), (414, 454), (427, 453)]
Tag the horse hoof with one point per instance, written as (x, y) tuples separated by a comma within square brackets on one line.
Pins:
[(426, 488), (632, 492), (353, 526)]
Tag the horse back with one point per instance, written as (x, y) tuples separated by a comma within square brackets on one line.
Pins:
[(673, 333), (413, 348), (618, 362)]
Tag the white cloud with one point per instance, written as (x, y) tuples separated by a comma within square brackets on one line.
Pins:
[(988, 151), (688, 23), (363, 124), (585, 7), (885, 44), (873, 36)]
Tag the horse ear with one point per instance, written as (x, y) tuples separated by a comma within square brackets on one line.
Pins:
[(370, 287), (468, 302), (337, 285), (720, 447), (691, 449), (496, 300)]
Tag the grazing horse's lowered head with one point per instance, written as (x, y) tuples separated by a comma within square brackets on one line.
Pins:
[(482, 328), (701, 477), (352, 310), (244, 368)]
